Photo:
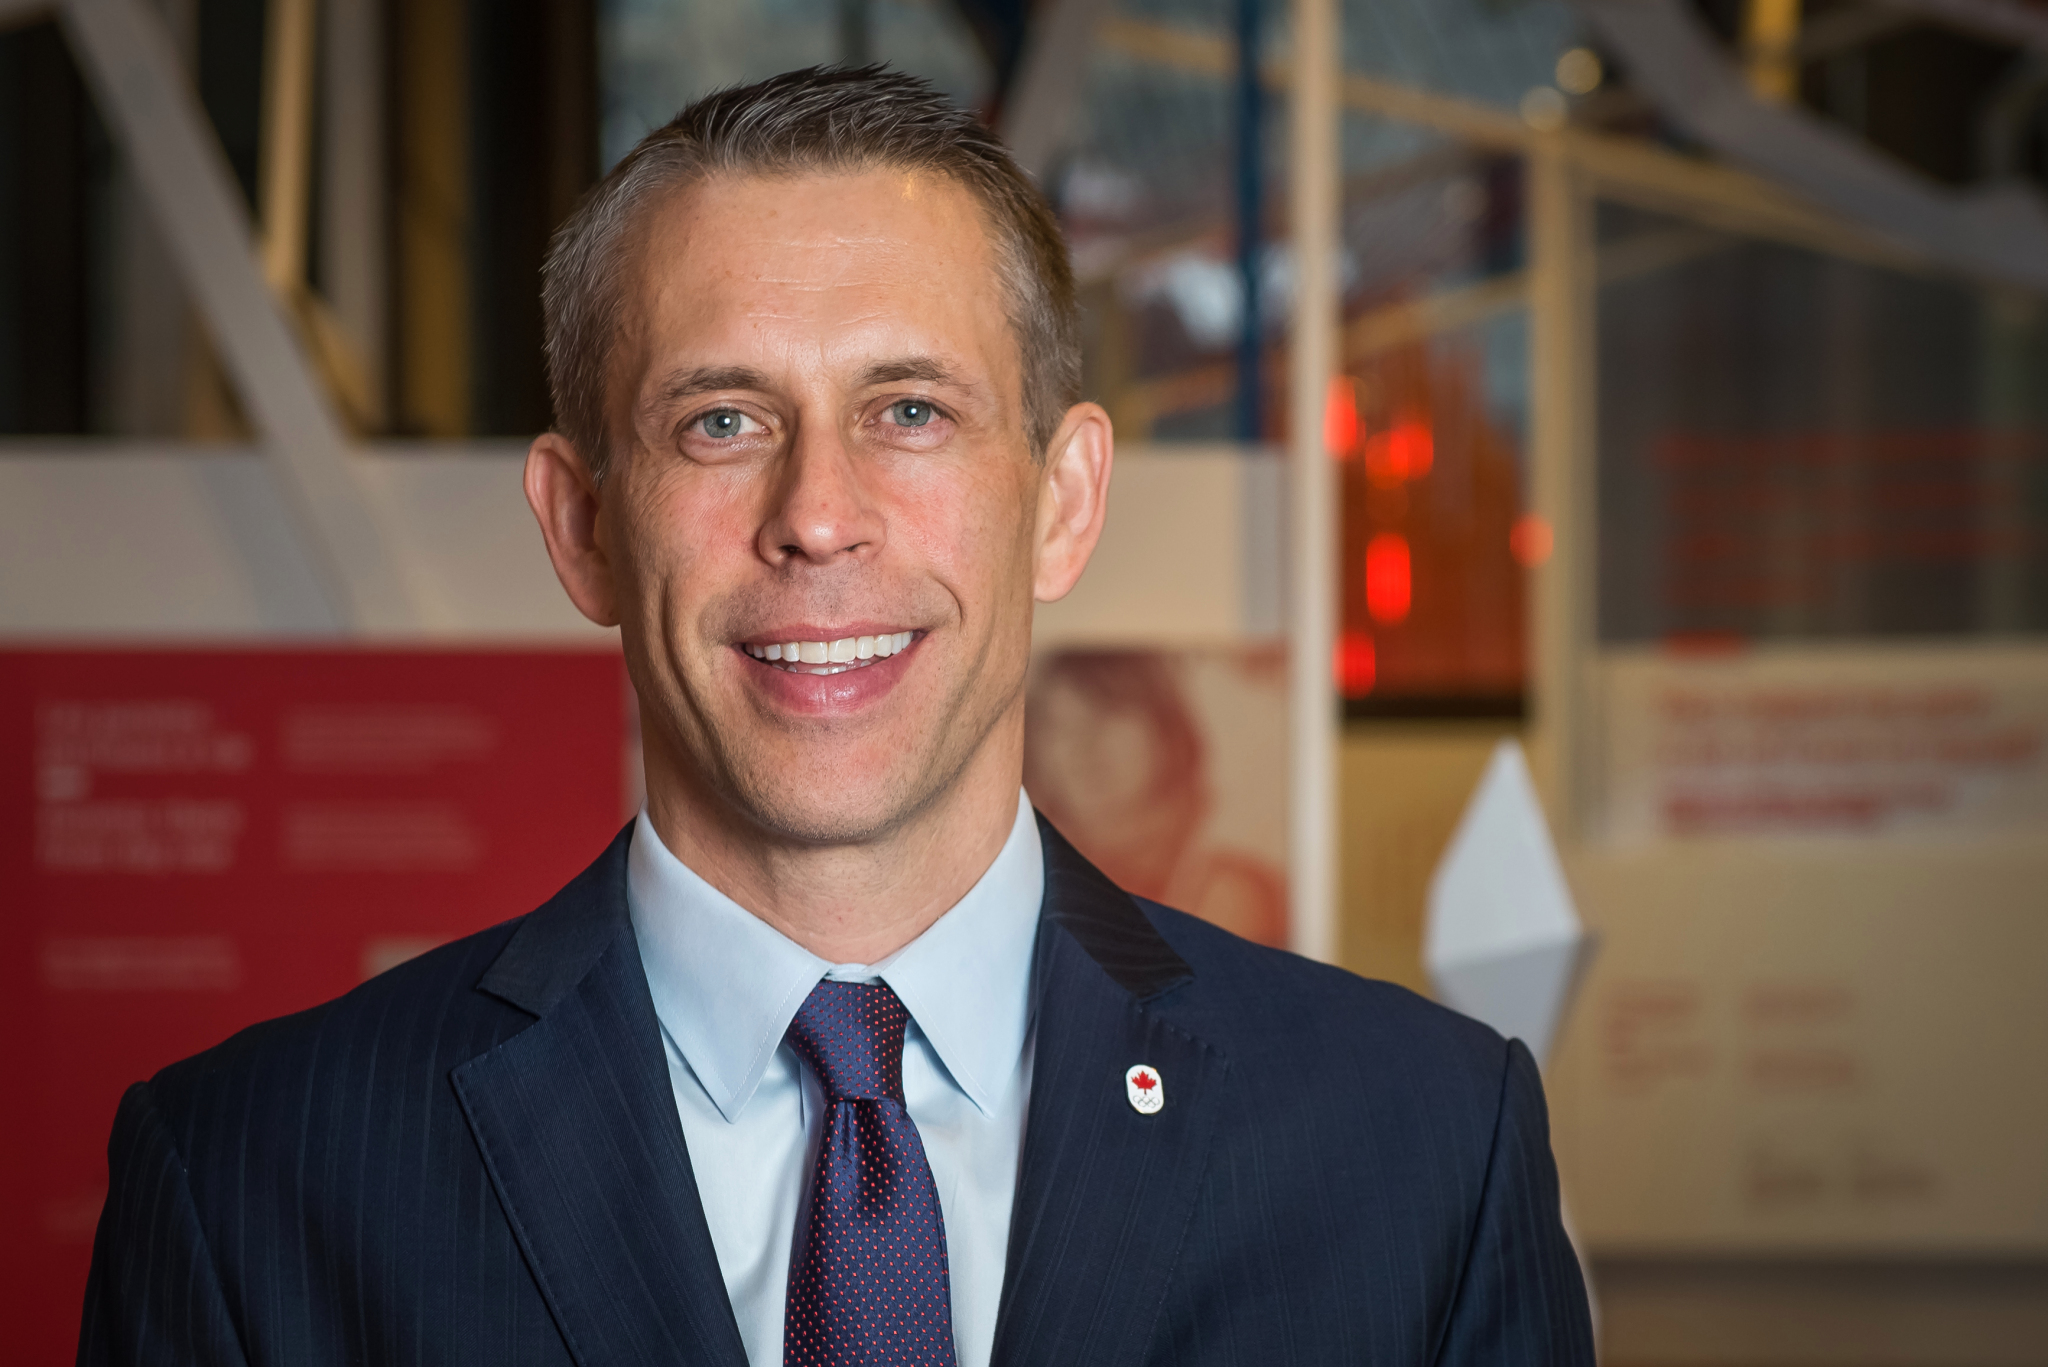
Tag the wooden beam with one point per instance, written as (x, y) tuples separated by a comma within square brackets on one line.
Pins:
[(1561, 464), (284, 180), (1770, 41), (431, 376), (1314, 181)]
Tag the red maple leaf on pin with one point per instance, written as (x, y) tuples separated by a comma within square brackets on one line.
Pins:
[(1144, 1082)]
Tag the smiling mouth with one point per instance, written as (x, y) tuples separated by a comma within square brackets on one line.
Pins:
[(830, 657)]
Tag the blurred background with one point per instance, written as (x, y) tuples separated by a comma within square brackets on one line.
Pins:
[(1686, 420)]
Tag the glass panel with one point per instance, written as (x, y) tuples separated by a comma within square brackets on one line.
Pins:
[(1795, 446), (1433, 292), (1432, 486), (655, 56), (1151, 196), (1494, 51), (1428, 425)]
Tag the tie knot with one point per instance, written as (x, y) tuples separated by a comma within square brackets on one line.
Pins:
[(852, 1034)]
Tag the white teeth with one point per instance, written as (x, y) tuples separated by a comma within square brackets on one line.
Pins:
[(846, 651)]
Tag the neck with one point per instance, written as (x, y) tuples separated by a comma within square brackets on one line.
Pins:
[(854, 903)]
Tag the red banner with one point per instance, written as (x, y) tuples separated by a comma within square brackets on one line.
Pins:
[(196, 840)]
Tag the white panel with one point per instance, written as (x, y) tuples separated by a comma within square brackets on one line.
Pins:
[(137, 540), (475, 554), (144, 539), (1189, 555), (100, 545), (1182, 559)]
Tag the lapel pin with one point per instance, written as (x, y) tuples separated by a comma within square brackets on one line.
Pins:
[(1143, 1087)]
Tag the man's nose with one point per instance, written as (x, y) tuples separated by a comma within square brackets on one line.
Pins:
[(821, 510)]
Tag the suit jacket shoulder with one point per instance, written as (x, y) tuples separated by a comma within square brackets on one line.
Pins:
[(407, 1027), (1296, 1023), (1335, 1170), (1377, 1152), (424, 1014), (314, 1181)]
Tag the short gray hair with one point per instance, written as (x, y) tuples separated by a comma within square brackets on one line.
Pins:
[(823, 119)]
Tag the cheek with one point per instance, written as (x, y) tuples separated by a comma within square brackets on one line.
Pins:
[(691, 531), (971, 527)]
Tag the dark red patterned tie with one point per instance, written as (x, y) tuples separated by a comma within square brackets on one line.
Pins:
[(872, 1285)]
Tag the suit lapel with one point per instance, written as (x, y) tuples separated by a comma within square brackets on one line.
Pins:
[(1104, 1194), (577, 1126)]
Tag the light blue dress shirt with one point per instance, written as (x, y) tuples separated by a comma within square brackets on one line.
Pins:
[(726, 985)]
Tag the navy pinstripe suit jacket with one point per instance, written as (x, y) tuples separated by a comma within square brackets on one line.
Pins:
[(476, 1158)]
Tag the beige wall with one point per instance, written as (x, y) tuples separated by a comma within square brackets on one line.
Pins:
[(1404, 787)]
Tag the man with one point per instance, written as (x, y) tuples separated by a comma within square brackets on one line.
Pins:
[(837, 1055)]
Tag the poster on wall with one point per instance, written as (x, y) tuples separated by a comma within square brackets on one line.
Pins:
[(196, 840), (1817, 871), (1894, 743), (1167, 769)]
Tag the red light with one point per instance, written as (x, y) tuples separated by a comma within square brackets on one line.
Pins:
[(1356, 664), (1530, 540), (1403, 452), (1417, 447), (1389, 583), (1340, 417)]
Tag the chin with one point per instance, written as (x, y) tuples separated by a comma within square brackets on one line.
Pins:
[(832, 814)]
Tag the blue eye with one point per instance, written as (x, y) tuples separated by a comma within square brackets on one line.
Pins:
[(911, 412), (722, 422)]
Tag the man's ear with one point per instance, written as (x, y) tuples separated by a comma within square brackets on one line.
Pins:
[(564, 499), (1073, 499)]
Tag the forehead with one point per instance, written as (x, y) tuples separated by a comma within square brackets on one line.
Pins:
[(846, 259)]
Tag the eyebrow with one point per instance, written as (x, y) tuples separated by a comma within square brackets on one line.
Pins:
[(685, 384), (911, 368)]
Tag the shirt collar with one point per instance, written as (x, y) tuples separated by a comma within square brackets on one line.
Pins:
[(967, 980), (726, 984)]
